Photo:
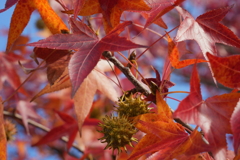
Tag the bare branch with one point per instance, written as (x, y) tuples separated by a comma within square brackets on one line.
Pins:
[(40, 126)]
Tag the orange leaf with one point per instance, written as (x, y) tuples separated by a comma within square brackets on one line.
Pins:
[(19, 20), (50, 18), (21, 16), (3, 140), (111, 10), (173, 54), (163, 108), (62, 82), (226, 70)]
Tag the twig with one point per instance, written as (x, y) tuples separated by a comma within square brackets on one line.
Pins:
[(40, 126), (126, 71)]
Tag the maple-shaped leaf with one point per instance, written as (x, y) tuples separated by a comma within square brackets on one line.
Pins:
[(235, 125), (3, 139), (84, 97), (174, 58), (8, 4), (78, 4), (206, 30), (8, 72), (89, 48), (226, 70), (159, 8), (25, 109), (21, 16), (56, 60), (212, 115), (158, 21), (170, 138), (111, 10), (69, 128)]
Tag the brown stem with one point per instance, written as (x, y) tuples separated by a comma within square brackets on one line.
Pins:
[(38, 125)]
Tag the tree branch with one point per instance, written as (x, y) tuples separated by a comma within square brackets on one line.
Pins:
[(40, 126), (126, 71)]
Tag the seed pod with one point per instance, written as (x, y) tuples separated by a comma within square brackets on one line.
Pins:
[(132, 106), (118, 132)]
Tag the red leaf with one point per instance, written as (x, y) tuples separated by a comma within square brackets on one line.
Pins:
[(25, 109), (9, 4), (83, 99), (159, 8), (78, 6), (235, 125), (69, 128), (206, 30), (226, 70), (212, 116), (89, 48), (8, 72)]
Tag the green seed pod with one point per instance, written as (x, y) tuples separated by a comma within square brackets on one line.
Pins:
[(118, 132), (132, 106)]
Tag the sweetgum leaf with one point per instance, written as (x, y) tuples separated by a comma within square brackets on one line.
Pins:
[(68, 128), (165, 137), (226, 70), (111, 10), (174, 56), (159, 8), (235, 126), (206, 30), (212, 115), (8, 4), (89, 48), (21, 16)]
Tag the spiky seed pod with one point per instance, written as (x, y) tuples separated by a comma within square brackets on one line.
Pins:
[(118, 132), (132, 106), (10, 129)]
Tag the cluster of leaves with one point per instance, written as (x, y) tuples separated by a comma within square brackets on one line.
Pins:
[(73, 58)]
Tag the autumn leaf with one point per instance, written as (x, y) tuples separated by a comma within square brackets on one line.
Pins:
[(26, 110), (159, 8), (8, 4), (212, 115), (235, 119), (56, 60), (174, 58), (69, 128), (226, 70), (156, 84), (96, 80), (3, 139), (89, 48), (61, 83), (83, 98), (111, 10), (22, 14), (165, 138), (8, 72), (206, 30)]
